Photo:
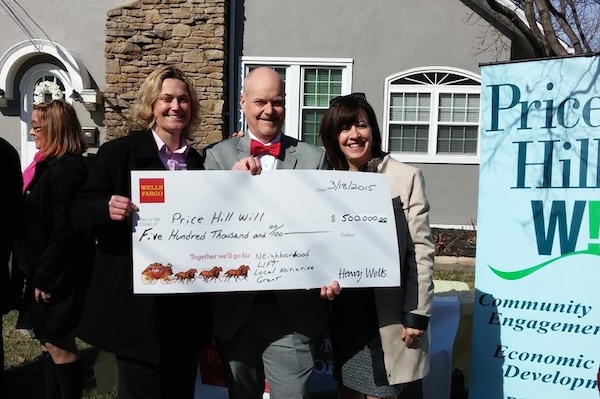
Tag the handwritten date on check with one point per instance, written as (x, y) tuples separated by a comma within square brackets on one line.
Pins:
[(222, 231)]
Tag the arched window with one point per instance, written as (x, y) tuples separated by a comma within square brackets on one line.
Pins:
[(432, 115)]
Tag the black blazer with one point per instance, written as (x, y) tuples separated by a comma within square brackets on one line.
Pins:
[(12, 186), (52, 257), (114, 319), (49, 251)]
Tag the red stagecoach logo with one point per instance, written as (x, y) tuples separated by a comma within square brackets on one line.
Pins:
[(152, 191)]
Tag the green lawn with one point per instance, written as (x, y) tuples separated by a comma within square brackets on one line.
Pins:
[(22, 369), (23, 373)]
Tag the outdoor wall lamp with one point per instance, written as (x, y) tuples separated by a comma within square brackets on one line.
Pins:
[(88, 97), (75, 96)]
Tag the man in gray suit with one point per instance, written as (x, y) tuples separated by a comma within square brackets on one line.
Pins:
[(267, 334)]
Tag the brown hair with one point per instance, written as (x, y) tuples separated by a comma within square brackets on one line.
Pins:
[(142, 112), (344, 113), (61, 129)]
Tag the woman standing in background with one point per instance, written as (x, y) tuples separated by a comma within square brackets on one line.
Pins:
[(55, 260)]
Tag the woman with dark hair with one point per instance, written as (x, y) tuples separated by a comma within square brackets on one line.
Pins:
[(55, 260), (155, 338), (379, 336)]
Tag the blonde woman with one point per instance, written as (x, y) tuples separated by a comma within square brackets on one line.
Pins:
[(155, 338)]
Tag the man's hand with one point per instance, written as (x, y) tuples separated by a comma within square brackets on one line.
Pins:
[(331, 291), (251, 164)]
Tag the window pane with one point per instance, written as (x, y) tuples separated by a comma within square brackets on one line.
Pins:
[(311, 121), (457, 140), (445, 115), (336, 75), (320, 86), (410, 107), (410, 100), (445, 100), (310, 87), (460, 100), (310, 75), (409, 138), (335, 88), (473, 108), (445, 108), (458, 107)]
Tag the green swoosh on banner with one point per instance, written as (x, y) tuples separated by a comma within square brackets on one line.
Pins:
[(518, 274)]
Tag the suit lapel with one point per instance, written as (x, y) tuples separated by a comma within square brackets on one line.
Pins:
[(243, 147), (288, 159)]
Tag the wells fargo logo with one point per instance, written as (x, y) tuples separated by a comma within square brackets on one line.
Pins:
[(152, 191)]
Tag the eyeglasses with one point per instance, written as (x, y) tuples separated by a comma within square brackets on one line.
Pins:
[(356, 96), (36, 129)]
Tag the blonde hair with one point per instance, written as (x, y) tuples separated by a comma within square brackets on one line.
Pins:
[(61, 129), (142, 111)]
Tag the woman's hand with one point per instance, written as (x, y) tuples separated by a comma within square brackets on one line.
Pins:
[(41, 296), (331, 291), (120, 207), (411, 337), (251, 164)]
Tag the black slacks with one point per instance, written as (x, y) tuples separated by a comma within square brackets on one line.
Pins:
[(174, 377)]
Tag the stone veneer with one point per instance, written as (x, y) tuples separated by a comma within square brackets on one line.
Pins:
[(189, 34)]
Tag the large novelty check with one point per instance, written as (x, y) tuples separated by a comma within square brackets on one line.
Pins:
[(215, 231)]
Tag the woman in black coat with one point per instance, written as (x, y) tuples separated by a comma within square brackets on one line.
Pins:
[(155, 338), (54, 259)]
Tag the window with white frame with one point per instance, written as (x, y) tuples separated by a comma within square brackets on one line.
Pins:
[(432, 115), (309, 85)]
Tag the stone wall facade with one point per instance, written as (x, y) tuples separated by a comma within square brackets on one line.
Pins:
[(189, 34)]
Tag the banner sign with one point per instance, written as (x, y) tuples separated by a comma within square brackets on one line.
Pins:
[(217, 231), (536, 327)]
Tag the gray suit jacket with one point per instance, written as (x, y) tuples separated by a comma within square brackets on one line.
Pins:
[(304, 310)]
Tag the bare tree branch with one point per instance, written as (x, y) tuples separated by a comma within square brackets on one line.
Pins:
[(577, 21), (561, 19), (549, 33), (532, 38), (551, 27)]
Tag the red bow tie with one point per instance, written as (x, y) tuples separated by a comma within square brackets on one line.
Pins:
[(257, 148)]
